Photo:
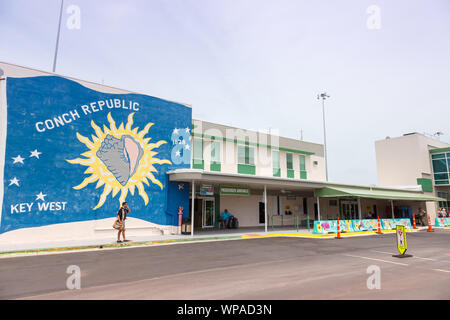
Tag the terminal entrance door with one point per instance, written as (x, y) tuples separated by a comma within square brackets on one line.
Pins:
[(349, 209), (262, 213), (208, 216)]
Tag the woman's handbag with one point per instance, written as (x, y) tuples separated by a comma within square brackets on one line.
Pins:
[(117, 225)]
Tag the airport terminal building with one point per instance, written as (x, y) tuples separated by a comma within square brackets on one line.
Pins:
[(72, 151)]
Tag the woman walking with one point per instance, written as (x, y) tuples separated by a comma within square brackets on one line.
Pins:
[(121, 217)]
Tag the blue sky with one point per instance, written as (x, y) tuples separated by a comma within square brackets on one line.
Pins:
[(260, 64)]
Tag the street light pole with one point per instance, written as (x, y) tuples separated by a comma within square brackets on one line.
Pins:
[(57, 37), (324, 96)]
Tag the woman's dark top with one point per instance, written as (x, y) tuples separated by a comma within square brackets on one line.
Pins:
[(123, 213)]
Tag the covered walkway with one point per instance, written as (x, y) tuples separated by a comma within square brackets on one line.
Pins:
[(260, 202)]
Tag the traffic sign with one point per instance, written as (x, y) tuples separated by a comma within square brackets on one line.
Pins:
[(402, 245)]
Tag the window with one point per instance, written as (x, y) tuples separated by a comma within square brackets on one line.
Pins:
[(215, 164), (303, 174), (198, 154), (441, 168), (246, 155), (289, 161), (276, 163), (246, 160), (290, 165), (215, 151)]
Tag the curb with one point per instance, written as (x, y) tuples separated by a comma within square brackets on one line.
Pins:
[(24, 253), (21, 253)]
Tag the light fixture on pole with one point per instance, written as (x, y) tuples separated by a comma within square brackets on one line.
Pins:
[(324, 96), (57, 37)]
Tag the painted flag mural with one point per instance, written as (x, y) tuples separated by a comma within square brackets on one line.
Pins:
[(75, 154)]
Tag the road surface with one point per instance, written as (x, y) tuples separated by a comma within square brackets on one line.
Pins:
[(265, 268)]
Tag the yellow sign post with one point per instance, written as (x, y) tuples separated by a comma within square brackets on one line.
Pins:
[(401, 242)]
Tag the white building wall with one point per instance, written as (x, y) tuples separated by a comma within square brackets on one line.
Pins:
[(401, 160)]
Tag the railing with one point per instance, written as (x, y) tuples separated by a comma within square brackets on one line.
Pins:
[(290, 220)]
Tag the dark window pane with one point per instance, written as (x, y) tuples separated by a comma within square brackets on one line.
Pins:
[(438, 156), (440, 176), (439, 165)]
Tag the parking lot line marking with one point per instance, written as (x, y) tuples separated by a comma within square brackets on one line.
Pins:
[(412, 256), (442, 270), (381, 252), (402, 264)]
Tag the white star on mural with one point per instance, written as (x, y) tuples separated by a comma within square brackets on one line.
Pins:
[(178, 153), (35, 153), (175, 131), (14, 181), (40, 196), (18, 159), (187, 147), (188, 130), (180, 186)]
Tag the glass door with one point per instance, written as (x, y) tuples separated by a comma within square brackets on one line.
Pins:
[(208, 213), (349, 210)]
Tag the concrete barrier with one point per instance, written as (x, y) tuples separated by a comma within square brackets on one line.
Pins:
[(442, 222), (330, 226)]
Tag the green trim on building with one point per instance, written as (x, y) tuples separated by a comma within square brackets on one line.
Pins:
[(198, 164), (372, 193), (203, 136), (215, 166), (291, 173), (427, 184), (439, 150), (246, 169), (277, 172), (303, 175)]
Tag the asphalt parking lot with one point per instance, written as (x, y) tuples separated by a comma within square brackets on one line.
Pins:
[(269, 268)]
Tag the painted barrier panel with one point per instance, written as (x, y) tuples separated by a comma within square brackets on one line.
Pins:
[(330, 226), (390, 224), (442, 222), (365, 225)]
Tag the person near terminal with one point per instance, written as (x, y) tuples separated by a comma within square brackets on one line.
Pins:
[(226, 218), (121, 217), (422, 215)]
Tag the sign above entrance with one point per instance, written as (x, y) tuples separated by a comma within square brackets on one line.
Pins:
[(206, 190), (234, 191)]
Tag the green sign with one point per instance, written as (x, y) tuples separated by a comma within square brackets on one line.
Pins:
[(234, 191)]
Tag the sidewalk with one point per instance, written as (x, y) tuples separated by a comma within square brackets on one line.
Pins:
[(76, 245), (108, 243)]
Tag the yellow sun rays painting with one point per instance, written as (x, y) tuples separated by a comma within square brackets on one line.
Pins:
[(119, 159)]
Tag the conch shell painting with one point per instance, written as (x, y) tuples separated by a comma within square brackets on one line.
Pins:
[(120, 156)]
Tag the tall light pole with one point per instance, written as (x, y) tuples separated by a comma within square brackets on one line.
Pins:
[(57, 37), (324, 96)]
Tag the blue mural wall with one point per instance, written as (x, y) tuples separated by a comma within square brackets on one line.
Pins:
[(74, 154)]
